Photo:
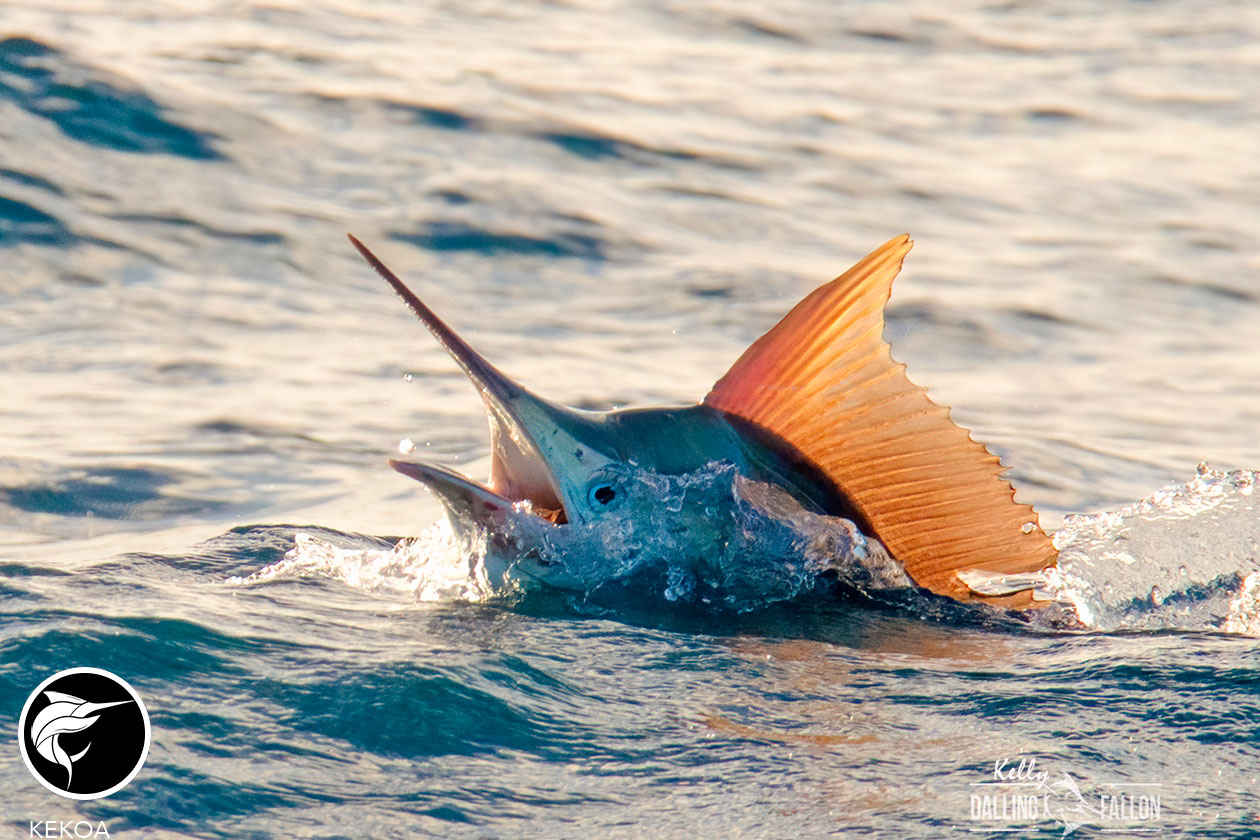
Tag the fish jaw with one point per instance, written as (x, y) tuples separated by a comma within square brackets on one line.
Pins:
[(519, 420), (463, 498), (534, 444), (518, 469), (540, 462), (515, 545)]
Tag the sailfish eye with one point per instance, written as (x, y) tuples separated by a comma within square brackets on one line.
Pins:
[(603, 495)]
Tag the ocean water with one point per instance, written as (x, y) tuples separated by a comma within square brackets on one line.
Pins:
[(200, 383)]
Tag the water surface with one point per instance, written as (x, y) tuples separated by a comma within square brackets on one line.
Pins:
[(610, 201)]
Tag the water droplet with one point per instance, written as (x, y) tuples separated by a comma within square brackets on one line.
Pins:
[(1029, 527), (1182, 570), (406, 447), (1156, 596), (407, 377)]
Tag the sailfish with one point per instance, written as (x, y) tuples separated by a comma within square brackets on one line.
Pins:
[(816, 407)]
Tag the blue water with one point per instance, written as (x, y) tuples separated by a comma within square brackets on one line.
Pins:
[(610, 202)]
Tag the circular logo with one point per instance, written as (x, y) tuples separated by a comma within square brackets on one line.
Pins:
[(84, 733)]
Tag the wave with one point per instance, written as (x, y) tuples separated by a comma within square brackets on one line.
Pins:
[(1185, 558), (88, 106)]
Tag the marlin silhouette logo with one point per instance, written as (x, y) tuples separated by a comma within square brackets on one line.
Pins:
[(816, 407), (64, 714)]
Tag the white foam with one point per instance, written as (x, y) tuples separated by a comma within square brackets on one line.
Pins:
[(1185, 558), (430, 567)]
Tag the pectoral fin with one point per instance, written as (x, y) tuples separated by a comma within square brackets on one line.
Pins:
[(824, 380)]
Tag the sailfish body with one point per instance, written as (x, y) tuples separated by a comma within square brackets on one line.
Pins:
[(816, 408)]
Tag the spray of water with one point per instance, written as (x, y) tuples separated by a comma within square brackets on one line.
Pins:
[(1187, 557)]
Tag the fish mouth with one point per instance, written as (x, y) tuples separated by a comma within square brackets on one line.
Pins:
[(519, 472), (521, 479), (469, 499)]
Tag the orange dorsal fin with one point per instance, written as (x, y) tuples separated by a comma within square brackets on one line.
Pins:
[(824, 380)]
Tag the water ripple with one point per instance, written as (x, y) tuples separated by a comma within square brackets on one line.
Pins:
[(459, 236), (79, 101), (20, 222)]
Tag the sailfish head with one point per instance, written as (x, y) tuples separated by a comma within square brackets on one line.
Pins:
[(816, 408), (557, 463)]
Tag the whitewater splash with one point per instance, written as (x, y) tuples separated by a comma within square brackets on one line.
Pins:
[(430, 567), (755, 546), (1185, 558)]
